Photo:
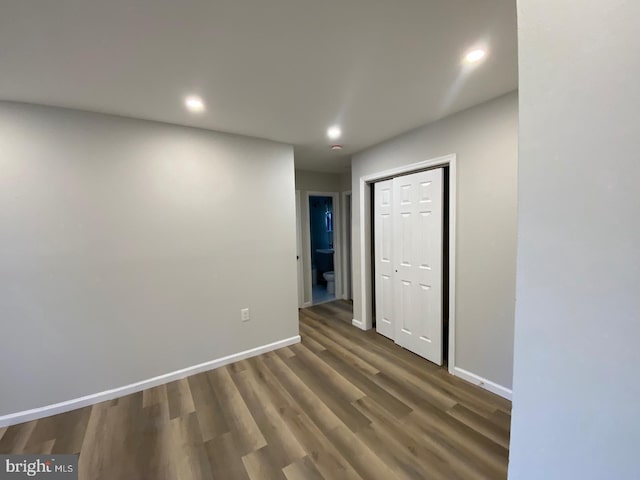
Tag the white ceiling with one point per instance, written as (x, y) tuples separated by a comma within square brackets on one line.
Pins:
[(278, 69)]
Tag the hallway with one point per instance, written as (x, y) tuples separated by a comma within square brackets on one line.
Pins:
[(343, 404)]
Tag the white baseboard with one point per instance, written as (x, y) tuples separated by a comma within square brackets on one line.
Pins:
[(36, 413), (357, 323), (307, 304), (493, 387)]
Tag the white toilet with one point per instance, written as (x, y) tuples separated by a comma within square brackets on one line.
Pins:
[(331, 282)]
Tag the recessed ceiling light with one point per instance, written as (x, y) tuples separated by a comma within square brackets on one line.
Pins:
[(194, 104), (336, 147), (334, 132), (475, 55)]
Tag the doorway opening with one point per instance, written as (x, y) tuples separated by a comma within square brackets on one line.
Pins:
[(323, 252), (445, 270)]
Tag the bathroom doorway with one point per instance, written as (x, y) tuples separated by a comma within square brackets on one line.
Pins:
[(346, 243), (323, 247)]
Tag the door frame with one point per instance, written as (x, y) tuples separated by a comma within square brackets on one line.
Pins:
[(299, 252), (337, 250), (365, 220), (346, 291)]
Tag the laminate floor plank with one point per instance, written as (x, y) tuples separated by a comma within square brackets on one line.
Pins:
[(440, 377), (70, 432), (323, 453), (408, 359), (406, 447), (481, 424), (113, 431), (16, 437), (225, 458), (284, 448), (389, 365), (287, 352), (280, 397), (208, 410), (262, 465), (329, 461), (502, 419), (303, 469), (337, 404), (345, 355), (188, 454), (180, 399), (341, 405), (310, 343), (154, 396), (321, 414), (332, 376), (236, 411), (460, 443), (395, 406), (43, 448), (155, 444), (364, 461), (400, 462)]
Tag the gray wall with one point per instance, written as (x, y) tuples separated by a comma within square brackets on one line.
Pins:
[(485, 141), (576, 380), (127, 249), (315, 182), (345, 181)]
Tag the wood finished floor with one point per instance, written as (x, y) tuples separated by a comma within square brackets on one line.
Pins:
[(343, 404)]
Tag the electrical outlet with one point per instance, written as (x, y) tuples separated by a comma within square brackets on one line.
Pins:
[(244, 314)]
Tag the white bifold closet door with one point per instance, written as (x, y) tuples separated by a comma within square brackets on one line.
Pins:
[(383, 248), (408, 216)]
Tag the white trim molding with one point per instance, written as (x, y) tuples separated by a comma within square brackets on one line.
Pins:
[(299, 252), (68, 405), (493, 387), (347, 200)]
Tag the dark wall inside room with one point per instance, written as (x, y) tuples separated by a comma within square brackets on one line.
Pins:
[(321, 234)]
